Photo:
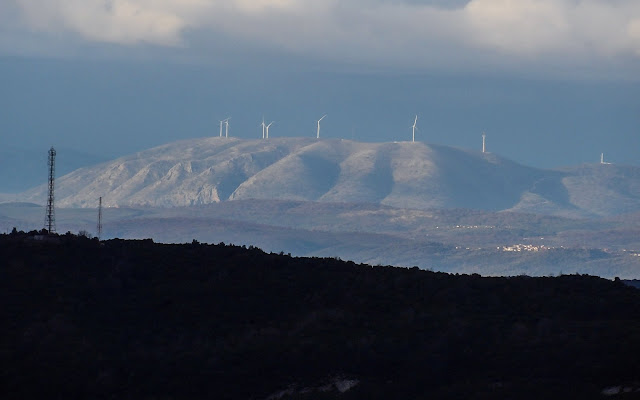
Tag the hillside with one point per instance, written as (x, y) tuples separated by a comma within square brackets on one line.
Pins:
[(402, 174), (450, 240), (139, 320), (611, 187)]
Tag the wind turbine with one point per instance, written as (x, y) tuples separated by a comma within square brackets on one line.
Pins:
[(318, 131), (414, 129), (226, 129), (267, 127), (225, 121), (263, 127), (484, 137)]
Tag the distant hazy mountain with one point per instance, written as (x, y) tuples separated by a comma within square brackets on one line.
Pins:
[(402, 174)]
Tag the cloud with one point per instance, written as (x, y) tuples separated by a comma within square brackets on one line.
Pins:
[(570, 27), (257, 6), (424, 34), (633, 29), (521, 26), (417, 33), (113, 21)]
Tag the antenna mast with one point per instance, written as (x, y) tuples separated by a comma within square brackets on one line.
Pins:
[(100, 218), (50, 219)]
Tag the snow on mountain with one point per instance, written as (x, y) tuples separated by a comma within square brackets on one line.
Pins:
[(401, 174), (188, 172), (602, 187)]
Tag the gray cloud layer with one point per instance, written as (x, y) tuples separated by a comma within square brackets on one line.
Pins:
[(413, 34)]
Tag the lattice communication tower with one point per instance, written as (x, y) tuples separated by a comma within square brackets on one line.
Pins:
[(99, 218), (50, 219)]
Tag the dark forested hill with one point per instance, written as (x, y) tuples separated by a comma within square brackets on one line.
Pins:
[(446, 240), (139, 320)]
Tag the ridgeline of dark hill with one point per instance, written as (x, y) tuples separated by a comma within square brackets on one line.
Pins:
[(139, 320)]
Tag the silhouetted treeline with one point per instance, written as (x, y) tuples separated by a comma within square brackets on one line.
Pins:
[(139, 320)]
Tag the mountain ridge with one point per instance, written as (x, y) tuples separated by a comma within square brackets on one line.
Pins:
[(411, 175)]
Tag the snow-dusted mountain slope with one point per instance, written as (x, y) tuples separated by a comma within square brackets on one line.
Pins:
[(403, 174)]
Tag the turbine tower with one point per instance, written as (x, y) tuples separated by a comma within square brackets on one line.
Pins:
[(318, 131), (267, 128), (221, 122), (50, 219), (484, 137), (263, 127), (413, 128), (226, 129), (601, 158), (99, 218)]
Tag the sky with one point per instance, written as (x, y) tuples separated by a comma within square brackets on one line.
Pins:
[(551, 82)]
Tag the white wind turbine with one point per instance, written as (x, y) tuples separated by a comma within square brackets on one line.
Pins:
[(413, 128), (263, 127), (267, 127), (226, 122), (318, 131), (484, 137)]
